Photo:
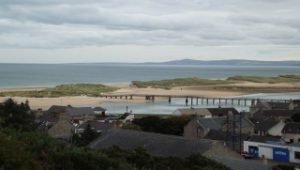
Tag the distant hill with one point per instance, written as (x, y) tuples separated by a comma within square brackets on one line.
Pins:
[(228, 62)]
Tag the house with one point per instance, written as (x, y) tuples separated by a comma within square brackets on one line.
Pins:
[(99, 127), (291, 132), (295, 104), (80, 114), (205, 112), (272, 105), (214, 128), (52, 115), (61, 130), (277, 114), (267, 126), (58, 109), (99, 111), (155, 144), (76, 115)]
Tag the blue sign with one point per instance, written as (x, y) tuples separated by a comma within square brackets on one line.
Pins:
[(281, 154)]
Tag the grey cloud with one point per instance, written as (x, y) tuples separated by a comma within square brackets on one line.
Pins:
[(73, 23)]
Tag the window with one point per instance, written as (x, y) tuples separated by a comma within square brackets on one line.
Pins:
[(297, 155)]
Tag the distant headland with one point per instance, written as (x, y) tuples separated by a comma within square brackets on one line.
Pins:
[(233, 62)]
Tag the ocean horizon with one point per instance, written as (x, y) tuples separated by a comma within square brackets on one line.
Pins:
[(45, 75)]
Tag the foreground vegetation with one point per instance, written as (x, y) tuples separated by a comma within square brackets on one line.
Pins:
[(180, 82), (23, 147), (64, 90)]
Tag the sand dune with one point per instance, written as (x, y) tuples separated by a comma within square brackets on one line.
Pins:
[(126, 88)]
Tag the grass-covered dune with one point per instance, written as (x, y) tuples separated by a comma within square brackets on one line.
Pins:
[(194, 81), (264, 79), (170, 83), (64, 90)]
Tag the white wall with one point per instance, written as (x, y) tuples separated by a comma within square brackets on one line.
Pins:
[(292, 154), (276, 130), (267, 150)]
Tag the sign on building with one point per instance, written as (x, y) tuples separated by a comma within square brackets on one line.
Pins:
[(281, 154)]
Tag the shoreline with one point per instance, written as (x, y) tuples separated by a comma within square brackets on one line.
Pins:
[(125, 88)]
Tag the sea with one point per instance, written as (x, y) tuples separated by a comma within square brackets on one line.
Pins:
[(45, 75)]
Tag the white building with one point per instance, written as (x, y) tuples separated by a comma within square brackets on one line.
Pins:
[(273, 151)]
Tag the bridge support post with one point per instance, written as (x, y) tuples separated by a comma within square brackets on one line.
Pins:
[(186, 101)]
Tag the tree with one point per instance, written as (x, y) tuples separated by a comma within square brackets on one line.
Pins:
[(16, 116), (86, 137)]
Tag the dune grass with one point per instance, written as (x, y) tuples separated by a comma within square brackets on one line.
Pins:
[(194, 81), (64, 90), (272, 80), (170, 83)]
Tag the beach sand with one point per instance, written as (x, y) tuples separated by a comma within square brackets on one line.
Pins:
[(127, 89)]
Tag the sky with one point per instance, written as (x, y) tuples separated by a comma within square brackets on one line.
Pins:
[(72, 31)]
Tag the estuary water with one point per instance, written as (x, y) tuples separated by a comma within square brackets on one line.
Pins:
[(164, 107), (30, 75), (39, 75)]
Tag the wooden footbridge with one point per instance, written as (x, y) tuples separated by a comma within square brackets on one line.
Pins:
[(195, 100)]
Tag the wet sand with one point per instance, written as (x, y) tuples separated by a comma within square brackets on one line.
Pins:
[(127, 89)]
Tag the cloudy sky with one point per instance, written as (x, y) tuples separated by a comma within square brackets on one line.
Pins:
[(63, 31)]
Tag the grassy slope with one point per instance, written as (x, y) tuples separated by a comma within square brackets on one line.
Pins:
[(170, 83), (260, 79), (64, 90)]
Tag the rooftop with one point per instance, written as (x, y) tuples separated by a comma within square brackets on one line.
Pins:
[(292, 127), (155, 144)]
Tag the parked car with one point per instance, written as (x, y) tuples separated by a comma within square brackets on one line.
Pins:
[(247, 155)]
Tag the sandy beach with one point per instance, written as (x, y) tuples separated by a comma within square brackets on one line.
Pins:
[(127, 89)]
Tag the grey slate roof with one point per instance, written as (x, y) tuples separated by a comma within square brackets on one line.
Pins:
[(274, 113), (291, 127), (76, 111), (222, 111), (218, 122), (57, 109), (95, 125), (279, 105), (155, 144), (99, 109), (264, 124), (49, 117), (265, 139)]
